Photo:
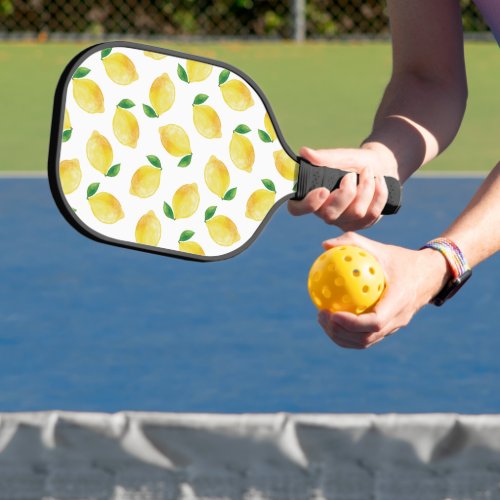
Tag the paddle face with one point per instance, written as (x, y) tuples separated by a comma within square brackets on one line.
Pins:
[(165, 152)]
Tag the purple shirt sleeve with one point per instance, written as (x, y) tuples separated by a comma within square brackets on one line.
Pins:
[(490, 9)]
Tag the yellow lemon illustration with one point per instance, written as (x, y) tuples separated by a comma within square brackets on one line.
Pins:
[(154, 55), (145, 181), (67, 122), (175, 140), (268, 125), (223, 230), (237, 95), (216, 176), (120, 68), (148, 230), (162, 94), (191, 247), (70, 175), (99, 152), (125, 127), (207, 121), (241, 152), (259, 204), (185, 201), (198, 71), (285, 165), (88, 95), (106, 208)]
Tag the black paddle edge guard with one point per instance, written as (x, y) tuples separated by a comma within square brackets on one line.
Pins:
[(312, 177)]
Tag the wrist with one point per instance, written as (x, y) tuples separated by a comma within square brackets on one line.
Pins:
[(457, 266), (386, 157), (437, 272)]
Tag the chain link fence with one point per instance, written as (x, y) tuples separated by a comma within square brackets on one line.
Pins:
[(283, 19)]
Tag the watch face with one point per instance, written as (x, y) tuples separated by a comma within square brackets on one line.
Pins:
[(451, 288)]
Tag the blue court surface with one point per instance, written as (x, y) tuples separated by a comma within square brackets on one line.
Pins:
[(90, 327)]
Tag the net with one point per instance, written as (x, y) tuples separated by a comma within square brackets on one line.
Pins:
[(159, 456)]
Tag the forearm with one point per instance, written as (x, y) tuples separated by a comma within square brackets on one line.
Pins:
[(477, 230), (416, 120), (424, 103)]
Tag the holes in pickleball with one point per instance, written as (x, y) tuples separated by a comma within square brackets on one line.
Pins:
[(379, 287), (346, 299), (366, 289), (347, 258), (317, 300), (331, 268), (356, 273), (362, 254), (372, 271), (339, 281), (327, 293), (316, 276)]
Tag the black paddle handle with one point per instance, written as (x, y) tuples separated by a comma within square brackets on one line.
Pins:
[(312, 177)]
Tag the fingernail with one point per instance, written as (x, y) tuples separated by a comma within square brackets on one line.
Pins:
[(324, 194)]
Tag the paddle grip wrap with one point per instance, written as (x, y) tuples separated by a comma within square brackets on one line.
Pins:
[(312, 177)]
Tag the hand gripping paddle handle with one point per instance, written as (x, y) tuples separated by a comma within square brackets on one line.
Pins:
[(312, 177)]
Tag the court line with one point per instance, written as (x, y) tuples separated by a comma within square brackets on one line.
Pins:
[(11, 174), (453, 174)]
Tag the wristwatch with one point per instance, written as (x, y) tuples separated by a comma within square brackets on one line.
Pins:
[(460, 270)]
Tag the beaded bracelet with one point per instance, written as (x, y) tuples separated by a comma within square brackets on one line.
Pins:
[(452, 254), (460, 269)]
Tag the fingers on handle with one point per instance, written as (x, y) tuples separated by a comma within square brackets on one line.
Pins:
[(311, 203)]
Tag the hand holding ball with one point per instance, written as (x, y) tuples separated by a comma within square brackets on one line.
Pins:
[(346, 278)]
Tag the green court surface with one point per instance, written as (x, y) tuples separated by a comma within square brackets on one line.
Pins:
[(323, 94)]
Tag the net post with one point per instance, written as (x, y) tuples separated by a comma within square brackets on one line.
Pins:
[(299, 20)]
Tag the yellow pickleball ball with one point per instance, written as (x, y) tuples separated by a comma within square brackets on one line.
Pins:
[(346, 278)]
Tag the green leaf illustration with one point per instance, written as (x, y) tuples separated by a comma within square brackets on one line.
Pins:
[(154, 160), (167, 210), (113, 171), (181, 72), (224, 75), (126, 104), (185, 161), (269, 184), (242, 129), (66, 135), (74, 210), (230, 194), (294, 187), (149, 111), (105, 53), (264, 136), (92, 189), (81, 72), (209, 213), (200, 99), (186, 235)]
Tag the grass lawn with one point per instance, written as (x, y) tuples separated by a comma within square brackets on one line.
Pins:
[(323, 94)]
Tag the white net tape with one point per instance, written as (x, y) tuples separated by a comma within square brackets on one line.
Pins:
[(160, 456)]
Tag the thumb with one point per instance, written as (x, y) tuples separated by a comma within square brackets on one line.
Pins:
[(349, 238), (339, 157)]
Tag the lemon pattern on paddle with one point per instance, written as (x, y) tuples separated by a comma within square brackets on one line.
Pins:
[(241, 148), (119, 67), (214, 166), (146, 179)]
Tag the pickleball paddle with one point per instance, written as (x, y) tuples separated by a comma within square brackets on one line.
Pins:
[(171, 153)]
